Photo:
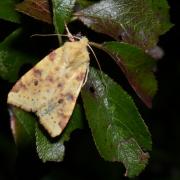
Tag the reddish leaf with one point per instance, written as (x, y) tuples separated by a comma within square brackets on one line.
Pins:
[(36, 9), (137, 67), (134, 21)]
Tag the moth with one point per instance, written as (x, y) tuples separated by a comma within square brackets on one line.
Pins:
[(50, 89)]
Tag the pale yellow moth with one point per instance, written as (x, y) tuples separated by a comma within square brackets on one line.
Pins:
[(50, 88)]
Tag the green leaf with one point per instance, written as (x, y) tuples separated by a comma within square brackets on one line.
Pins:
[(37, 9), (117, 128), (62, 11), (137, 66), (161, 9), (48, 150), (54, 149), (8, 12), (134, 21), (22, 126), (26, 119), (14, 53)]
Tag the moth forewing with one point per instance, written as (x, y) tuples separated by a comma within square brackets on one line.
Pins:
[(51, 87)]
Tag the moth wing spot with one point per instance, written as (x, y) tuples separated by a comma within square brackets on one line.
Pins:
[(70, 97), (50, 78), (36, 82), (60, 101), (19, 86), (60, 85), (80, 77), (63, 121), (37, 72), (15, 89), (52, 56)]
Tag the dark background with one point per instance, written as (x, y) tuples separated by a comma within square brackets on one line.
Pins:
[(82, 160)]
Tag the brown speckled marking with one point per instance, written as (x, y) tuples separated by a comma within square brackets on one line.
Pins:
[(60, 85), (18, 87), (80, 77), (70, 97), (60, 101), (15, 89), (63, 121), (50, 79), (36, 82), (56, 68), (22, 85), (52, 56), (37, 72)]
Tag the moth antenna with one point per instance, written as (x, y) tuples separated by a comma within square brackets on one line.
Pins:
[(94, 56), (70, 36), (86, 76), (46, 35), (97, 62), (62, 35)]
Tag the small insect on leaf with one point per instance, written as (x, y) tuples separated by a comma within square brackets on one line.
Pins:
[(50, 88)]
